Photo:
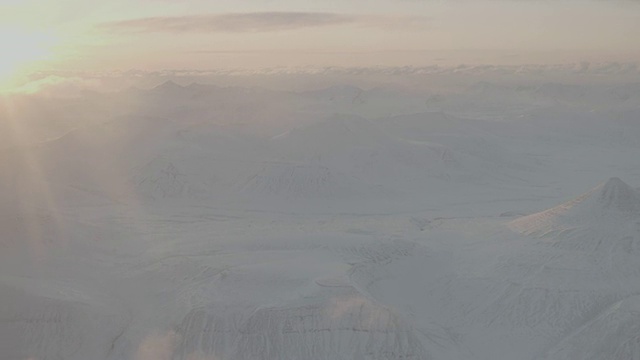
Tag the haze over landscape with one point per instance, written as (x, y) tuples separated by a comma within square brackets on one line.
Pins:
[(319, 180)]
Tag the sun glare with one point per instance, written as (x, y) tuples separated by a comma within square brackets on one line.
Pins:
[(22, 50)]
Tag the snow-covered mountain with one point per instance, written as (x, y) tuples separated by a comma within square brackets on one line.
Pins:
[(603, 219), (579, 277)]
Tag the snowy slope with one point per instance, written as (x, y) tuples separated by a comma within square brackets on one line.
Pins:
[(55, 321), (613, 334), (603, 219), (584, 277)]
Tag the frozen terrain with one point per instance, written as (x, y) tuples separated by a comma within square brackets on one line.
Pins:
[(203, 222)]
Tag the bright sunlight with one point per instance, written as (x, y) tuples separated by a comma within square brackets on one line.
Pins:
[(22, 49)]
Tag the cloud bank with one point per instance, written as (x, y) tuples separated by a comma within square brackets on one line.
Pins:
[(260, 22)]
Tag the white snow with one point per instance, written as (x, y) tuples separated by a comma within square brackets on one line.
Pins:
[(203, 222)]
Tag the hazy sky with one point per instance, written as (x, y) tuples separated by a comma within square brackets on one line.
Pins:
[(199, 34)]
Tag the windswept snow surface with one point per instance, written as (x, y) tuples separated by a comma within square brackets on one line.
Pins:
[(218, 223)]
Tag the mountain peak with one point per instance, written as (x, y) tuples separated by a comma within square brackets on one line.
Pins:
[(168, 85), (615, 183), (612, 200), (615, 194)]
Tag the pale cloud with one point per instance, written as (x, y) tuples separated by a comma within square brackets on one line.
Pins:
[(262, 22), (76, 83), (54, 80)]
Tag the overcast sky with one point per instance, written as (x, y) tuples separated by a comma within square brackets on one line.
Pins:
[(199, 34)]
